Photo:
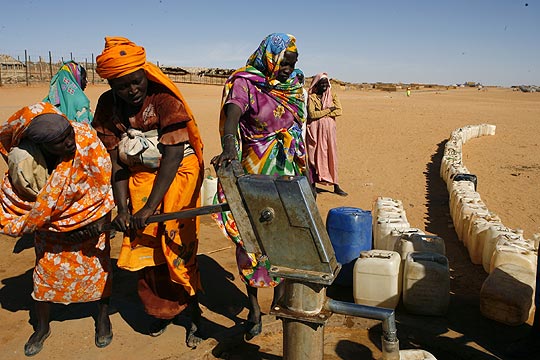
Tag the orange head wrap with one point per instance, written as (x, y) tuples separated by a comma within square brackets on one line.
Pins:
[(120, 57)]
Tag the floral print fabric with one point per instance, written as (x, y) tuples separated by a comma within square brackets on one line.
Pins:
[(68, 272), (77, 193)]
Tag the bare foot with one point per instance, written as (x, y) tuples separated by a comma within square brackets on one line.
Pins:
[(253, 325), (158, 327), (194, 336), (252, 329), (339, 191), (35, 343), (104, 334)]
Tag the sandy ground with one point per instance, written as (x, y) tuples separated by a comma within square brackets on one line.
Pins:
[(389, 145)]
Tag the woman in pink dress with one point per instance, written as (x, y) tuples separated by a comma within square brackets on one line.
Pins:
[(323, 108)]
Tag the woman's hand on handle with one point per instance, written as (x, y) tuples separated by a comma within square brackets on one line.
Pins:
[(227, 155), (138, 220), (121, 221), (228, 143)]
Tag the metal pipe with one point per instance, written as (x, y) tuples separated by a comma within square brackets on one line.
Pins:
[(390, 342), (302, 339), (369, 312)]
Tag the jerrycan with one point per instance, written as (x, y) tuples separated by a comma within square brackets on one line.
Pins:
[(491, 237), (419, 242), (426, 284), (382, 232), (466, 177), (350, 233), (518, 252), (507, 294), (479, 226), (376, 279), (397, 234)]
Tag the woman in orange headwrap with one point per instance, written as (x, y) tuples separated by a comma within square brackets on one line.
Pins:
[(65, 212), (144, 103)]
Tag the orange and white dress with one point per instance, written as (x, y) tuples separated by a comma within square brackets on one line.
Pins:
[(77, 193)]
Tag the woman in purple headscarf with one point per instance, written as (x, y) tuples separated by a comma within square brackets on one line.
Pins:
[(261, 125)]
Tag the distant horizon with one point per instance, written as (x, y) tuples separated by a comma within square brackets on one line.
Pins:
[(82, 62)]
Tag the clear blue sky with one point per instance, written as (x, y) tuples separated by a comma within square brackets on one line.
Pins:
[(495, 42)]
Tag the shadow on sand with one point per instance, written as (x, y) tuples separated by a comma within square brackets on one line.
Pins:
[(221, 296)]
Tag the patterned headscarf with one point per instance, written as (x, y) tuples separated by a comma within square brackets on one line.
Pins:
[(78, 191), (121, 57), (327, 95), (268, 56), (262, 68), (66, 93), (75, 70)]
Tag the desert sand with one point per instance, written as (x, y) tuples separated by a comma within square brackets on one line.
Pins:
[(389, 145)]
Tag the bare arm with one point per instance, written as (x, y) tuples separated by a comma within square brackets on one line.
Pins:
[(119, 179), (232, 115)]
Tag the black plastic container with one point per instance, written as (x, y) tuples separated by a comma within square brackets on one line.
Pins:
[(466, 177)]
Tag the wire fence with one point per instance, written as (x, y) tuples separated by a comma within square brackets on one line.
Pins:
[(41, 69)]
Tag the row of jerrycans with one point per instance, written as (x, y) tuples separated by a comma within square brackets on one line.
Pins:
[(381, 277), (507, 293), (404, 260), (387, 215), (487, 240), (452, 163), (468, 132)]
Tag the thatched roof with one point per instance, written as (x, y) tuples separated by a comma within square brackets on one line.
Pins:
[(8, 60)]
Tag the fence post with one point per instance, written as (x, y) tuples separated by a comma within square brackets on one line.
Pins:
[(93, 69), (40, 73), (26, 64), (50, 65), (31, 67)]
